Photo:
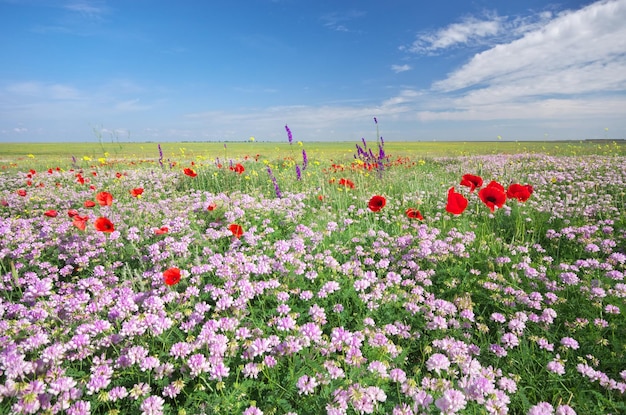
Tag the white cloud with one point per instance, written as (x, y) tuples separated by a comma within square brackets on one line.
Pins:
[(400, 68), (571, 65), (337, 20)]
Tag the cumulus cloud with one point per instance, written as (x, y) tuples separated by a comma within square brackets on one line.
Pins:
[(572, 64)]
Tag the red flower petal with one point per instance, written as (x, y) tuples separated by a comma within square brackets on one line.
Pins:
[(171, 276), (456, 202), (376, 203)]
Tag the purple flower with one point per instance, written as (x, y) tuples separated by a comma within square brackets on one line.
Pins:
[(305, 160), (437, 362), (152, 405), (568, 342), (542, 408), (306, 385), (451, 402), (298, 173), (289, 136)]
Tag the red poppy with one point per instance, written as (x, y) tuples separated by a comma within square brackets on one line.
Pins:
[(51, 213), (320, 197), (237, 230), (80, 222), (346, 182), (80, 179), (519, 192), (456, 202), (497, 185), (31, 172), (414, 214), (21, 192), (136, 192), (211, 206), (89, 203), (104, 225), (238, 168), (492, 196), (376, 203), (72, 212), (171, 276), (471, 181), (118, 175), (104, 198), (161, 230), (190, 172)]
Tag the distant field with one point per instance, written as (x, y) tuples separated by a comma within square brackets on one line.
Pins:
[(63, 152)]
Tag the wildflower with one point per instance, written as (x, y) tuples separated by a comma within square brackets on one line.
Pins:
[(471, 181), (237, 230), (136, 192), (152, 405), (376, 203), (568, 342), (347, 183), (189, 172), (289, 135), (104, 199), (211, 206), (437, 362), (161, 230), (80, 222), (519, 192), (171, 276), (456, 202), (306, 385), (21, 192), (492, 196), (89, 203), (542, 408), (238, 168), (414, 214), (451, 402), (104, 225), (51, 213)]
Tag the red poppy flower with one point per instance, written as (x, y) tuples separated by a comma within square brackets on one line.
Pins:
[(104, 225), (471, 181), (51, 213), (80, 179), (171, 276), (80, 222), (320, 197), (376, 203), (492, 196), (89, 203), (238, 168), (190, 172), (21, 192), (497, 185), (136, 192), (346, 182), (118, 175), (414, 214), (104, 198), (456, 202), (237, 230), (72, 212), (161, 230), (519, 192), (212, 206)]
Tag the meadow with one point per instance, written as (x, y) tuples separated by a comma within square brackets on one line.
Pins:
[(311, 278)]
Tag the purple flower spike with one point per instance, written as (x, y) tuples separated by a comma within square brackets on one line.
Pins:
[(289, 136), (375, 120), (305, 160), (298, 173)]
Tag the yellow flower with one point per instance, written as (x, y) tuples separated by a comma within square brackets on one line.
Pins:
[(300, 143), (31, 156), (252, 139), (102, 160), (86, 158)]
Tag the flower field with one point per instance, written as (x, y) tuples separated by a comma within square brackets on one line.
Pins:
[(379, 283)]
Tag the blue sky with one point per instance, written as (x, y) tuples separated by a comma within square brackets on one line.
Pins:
[(146, 70)]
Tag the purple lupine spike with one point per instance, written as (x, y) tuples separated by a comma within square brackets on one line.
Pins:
[(364, 143), (305, 160), (298, 173), (275, 182), (375, 120), (160, 155), (381, 152), (289, 135), (382, 140), (74, 160)]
